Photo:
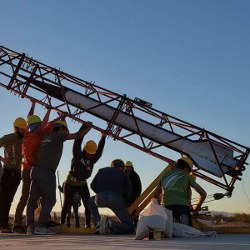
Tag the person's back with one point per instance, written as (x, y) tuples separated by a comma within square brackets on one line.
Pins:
[(113, 188), (110, 179), (175, 187), (173, 190), (43, 175)]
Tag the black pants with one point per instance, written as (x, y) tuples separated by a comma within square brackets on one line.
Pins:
[(180, 212), (69, 192), (8, 187), (75, 206)]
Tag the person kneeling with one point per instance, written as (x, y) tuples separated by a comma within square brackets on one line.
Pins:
[(113, 188)]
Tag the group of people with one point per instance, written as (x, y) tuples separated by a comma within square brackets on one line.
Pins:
[(32, 154)]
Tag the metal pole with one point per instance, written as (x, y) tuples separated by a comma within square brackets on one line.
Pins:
[(58, 181)]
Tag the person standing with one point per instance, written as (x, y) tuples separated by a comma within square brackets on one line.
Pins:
[(43, 178), (76, 203), (31, 143), (135, 181), (81, 169), (136, 188), (173, 191), (113, 188), (11, 178)]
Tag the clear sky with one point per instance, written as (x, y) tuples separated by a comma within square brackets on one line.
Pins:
[(190, 59)]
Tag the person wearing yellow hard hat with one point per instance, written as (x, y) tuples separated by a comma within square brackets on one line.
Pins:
[(135, 181), (82, 165), (37, 129), (43, 178), (136, 187), (11, 176), (173, 190)]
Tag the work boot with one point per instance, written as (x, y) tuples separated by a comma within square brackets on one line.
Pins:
[(104, 226), (19, 229)]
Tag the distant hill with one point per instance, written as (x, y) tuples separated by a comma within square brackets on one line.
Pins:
[(225, 214)]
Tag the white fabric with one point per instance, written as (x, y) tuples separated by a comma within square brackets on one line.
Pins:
[(181, 230), (155, 217)]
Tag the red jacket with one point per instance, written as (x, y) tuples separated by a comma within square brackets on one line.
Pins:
[(32, 142)]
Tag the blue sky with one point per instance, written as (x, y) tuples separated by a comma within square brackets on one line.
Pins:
[(189, 59)]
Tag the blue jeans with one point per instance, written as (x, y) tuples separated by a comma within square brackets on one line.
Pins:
[(115, 202), (43, 185)]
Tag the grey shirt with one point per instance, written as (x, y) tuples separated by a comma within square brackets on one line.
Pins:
[(50, 151)]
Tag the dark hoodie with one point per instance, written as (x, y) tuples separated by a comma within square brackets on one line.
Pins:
[(136, 186), (112, 179), (81, 166)]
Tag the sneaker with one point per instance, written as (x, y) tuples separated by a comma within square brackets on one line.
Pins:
[(43, 231), (96, 230), (104, 226), (19, 229), (30, 230)]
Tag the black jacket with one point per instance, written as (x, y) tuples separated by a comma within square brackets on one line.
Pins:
[(112, 179), (136, 186), (81, 166)]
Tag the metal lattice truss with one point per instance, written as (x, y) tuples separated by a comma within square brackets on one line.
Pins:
[(135, 122)]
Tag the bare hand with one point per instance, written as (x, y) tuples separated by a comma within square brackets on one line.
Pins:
[(62, 115), (196, 209)]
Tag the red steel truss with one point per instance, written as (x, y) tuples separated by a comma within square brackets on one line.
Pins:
[(18, 72)]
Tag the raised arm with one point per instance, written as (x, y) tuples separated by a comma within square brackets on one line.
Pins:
[(32, 108), (46, 117), (100, 147), (77, 146), (81, 133), (47, 127)]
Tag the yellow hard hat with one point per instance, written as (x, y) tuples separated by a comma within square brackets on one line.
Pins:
[(129, 164), (32, 119), (90, 147), (188, 161), (61, 122), (20, 123)]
